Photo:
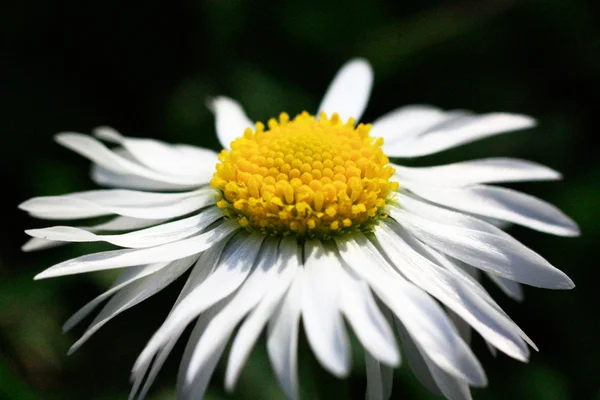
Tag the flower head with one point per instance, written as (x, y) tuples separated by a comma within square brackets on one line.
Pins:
[(305, 219)]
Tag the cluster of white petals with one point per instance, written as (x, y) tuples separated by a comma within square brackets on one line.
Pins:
[(415, 277)]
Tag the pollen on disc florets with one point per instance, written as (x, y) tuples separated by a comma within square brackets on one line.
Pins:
[(310, 177)]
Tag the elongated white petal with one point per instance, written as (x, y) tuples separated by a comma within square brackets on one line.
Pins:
[(120, 223), (35, 244), (235, 265), (416, 362), (485, 251), (512, 289), (407, 122), (469, 277), (197, 390), (97, 152), (163, 157), (422, 316), (204, 266), (129, 257), (489, 170), (462, 326), (127, 277), (117, 223), (426, 210), (431, 375), (410, 259), (321, 308), (456, 132), (154, 236), (282, 338), (106, 177), (251, 292), (157, 364), (379, 379), (504, 204), (230, 119), (135, 293), (202, 381), (348, 93), (367, 321), (255, 322), (141, 205)]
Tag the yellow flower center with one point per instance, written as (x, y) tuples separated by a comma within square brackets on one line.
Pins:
[(310, 177)]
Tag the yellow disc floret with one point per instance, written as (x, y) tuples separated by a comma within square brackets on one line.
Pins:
[(310, 177)]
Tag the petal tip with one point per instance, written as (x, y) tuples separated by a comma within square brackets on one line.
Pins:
[(43, 275), (359, 62), (567, 285), (64, 137), (107, 133), (39, 276), (23, 205), (72, 349)]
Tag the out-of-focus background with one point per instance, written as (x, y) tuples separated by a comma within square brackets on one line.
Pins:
[(146, 69)]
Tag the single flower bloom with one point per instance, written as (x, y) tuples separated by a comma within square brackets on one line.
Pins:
[(306, 219)]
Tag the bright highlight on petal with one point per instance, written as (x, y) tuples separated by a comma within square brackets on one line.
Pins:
[(303, 226)]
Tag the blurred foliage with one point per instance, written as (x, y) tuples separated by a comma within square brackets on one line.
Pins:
[(146, 68)]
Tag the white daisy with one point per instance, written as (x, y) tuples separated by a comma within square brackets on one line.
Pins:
[(307, 220)]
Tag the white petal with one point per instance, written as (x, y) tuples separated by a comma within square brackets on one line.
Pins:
[(201, 382), (469, 277), (248, 295), (415, 360), (255, 322), (157, 364), (235, 265), (407, 122), (127, 277), (485, 251), (230, 119), (379, 379), (120, 223), (462, 326), (105, 177), (35, 244), (504, 204), (117, 223), (129, 257), (282, 338), (492, 349), (198, 165), (128, 203), (451, 387), (135, 293), (203, 268), (366, 319), (512, 289), (98, 153), (198, 388), (422, 316), (348, 93), (420, 207), (410, 259), (321, 316), (457, 131), (489, 170), (150, 237)]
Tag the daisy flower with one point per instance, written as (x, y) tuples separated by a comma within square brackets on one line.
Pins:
[(306, 221)]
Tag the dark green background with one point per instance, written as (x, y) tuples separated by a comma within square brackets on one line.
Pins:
[(146, 68)]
